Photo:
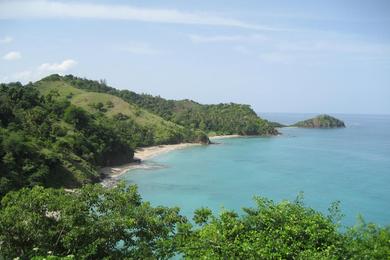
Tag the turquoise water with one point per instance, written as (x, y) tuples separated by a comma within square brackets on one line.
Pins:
[(351, 165)]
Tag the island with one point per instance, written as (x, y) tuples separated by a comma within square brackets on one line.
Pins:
[(321, 121)]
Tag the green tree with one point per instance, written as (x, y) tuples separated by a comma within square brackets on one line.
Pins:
[(47, 141), (92, 222), (269, 231), (76, 116)]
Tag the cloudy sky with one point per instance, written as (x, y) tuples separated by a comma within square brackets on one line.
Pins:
[(328, 56)]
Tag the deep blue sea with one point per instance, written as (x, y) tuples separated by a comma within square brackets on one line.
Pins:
[(350, 165)]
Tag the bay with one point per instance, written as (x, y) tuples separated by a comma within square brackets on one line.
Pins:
[(350, 165)]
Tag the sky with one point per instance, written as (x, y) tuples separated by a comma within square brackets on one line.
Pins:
[(330, 56)]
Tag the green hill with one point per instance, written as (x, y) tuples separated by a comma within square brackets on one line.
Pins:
[(228, 118), (152, 129), (321, 121), (50, 142)]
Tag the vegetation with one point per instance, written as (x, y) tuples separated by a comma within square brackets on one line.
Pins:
[(276, 124), (55, 135), (140, 127), (90, 223), (220, 119), (95, 223), (321, 121), (50, 142)]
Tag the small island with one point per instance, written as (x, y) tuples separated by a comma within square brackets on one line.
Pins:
[(321, 121)]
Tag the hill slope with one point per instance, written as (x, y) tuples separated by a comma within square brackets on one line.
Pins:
[(321, 121), (151, 129), (213, 119), (50, 142)]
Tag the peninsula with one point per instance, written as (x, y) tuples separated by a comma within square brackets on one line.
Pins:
[(61, 130)]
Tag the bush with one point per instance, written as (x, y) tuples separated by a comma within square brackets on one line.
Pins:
[(97, 223)]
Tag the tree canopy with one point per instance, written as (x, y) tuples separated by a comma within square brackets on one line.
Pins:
[(95, 222)]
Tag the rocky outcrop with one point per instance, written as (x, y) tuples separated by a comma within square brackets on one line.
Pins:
[(321, 121)]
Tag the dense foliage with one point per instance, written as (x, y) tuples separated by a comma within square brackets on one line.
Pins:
[(219, 119), (321, 121), (50, 142), (94, 222)]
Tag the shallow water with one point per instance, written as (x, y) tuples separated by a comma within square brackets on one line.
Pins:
[(351, 165)]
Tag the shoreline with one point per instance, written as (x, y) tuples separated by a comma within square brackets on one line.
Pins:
[(111, 174), (224, 136)]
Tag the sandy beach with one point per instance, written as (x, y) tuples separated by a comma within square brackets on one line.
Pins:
[(150, 152), (223, 136), (112, 174)]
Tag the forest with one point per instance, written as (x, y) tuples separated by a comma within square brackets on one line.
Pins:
[(49, 142)]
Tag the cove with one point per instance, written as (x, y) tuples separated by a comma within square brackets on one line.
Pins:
[(350, 165)]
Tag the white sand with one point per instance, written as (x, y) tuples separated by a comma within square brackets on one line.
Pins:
[(224, 136), (150, 152), (113, 173)]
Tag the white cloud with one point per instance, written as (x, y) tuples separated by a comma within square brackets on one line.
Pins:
[(40, 71), (140, 49), (253, 38), (58, 67), (6, 39), (38, 9), (13, 55)]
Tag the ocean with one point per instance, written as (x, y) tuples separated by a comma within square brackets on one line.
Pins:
[(350, 165)]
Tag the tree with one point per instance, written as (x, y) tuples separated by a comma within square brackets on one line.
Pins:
[(76, 116), (92, 222), (269, 231), (96, 223), (44, 140)]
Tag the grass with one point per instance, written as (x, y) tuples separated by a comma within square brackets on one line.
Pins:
[(86, 100)]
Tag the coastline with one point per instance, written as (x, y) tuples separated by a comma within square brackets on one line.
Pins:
[(112, 174), (224, 136), (147, 153)]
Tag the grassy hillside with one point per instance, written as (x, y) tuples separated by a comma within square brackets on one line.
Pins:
[(155, 130), (215, 119)]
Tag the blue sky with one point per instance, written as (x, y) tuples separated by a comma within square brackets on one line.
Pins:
[(278, 56)]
